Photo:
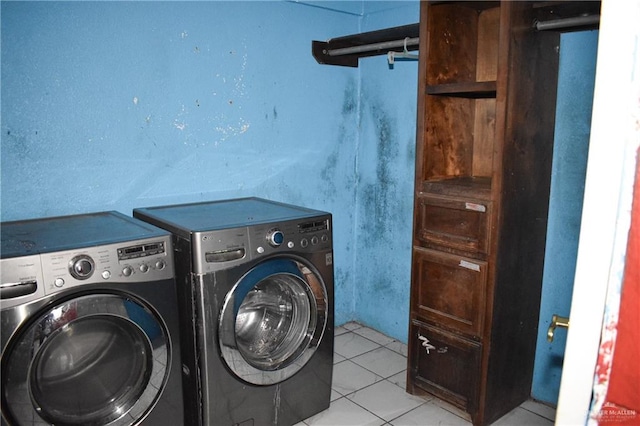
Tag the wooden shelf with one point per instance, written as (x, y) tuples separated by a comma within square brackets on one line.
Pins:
[(476, 4), (481, 89), (464, 187)]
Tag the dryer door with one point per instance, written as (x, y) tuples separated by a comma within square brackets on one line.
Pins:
[(97, 359), (272, 321)]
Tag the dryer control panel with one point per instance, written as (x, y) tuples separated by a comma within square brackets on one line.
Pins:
[(28, 278), (139, 261), (226, 248)]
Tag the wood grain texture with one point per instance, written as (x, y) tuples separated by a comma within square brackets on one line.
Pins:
[(486, 112)]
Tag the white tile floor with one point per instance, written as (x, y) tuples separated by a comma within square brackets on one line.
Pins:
[(369, 388)]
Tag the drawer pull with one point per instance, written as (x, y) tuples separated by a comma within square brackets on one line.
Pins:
[(425, 343), (475, 207), (469, 265)]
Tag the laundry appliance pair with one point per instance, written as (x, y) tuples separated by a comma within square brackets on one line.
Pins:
[(199, 314), (255, 288)]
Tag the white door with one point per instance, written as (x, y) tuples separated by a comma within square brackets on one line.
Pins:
[(614, 138)]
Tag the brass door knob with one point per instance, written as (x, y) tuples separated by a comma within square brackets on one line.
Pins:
[(556, 321)]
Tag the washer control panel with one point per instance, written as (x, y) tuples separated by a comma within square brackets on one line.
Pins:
[(311, 235), (225, 248)]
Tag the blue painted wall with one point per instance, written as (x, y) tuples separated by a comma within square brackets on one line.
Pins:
[(116, 105), (386, 165), (573, 125)]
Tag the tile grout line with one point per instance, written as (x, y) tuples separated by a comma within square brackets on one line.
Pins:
[(382, 377), (386, 422), (538, 414), (372, 341), (371, 412)]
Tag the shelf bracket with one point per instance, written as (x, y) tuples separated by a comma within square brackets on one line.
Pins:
[(567, 16), (347, 50)]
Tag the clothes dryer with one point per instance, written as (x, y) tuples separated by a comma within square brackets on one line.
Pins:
[(256, 293), (89, 323)]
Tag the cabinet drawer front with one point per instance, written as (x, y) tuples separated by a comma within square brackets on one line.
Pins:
[(446, 365), (450, 290), (457, 224)]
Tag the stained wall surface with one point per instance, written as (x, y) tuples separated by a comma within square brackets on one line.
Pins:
[(117, 105), (386, 166)]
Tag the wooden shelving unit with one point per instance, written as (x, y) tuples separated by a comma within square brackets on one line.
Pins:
[(486, 115)]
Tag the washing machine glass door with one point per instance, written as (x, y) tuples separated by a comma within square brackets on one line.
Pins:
[(92, 360), (272, 321)]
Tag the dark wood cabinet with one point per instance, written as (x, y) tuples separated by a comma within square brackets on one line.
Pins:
[(486, 114), (446, 365), (454, 298), (453, 222)]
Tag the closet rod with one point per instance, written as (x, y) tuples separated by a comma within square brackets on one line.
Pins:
[(557, 24), (373, 46)]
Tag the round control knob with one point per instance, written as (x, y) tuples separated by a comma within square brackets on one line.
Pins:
[(59, 282), (81, 267), (160, 264), (106, 275), (304, 242), (144, 268), (275, 237), (127, 271)]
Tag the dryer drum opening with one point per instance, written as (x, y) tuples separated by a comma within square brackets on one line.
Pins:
[(272, 320), (94, 359), (88, 354)]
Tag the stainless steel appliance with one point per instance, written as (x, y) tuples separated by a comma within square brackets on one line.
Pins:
[(89, 322), (256, 294)]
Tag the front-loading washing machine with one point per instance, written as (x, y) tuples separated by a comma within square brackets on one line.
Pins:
[(255, 284), (89, 323)]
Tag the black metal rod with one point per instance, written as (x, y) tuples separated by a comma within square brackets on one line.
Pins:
[(557, 24), (373, 46)]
